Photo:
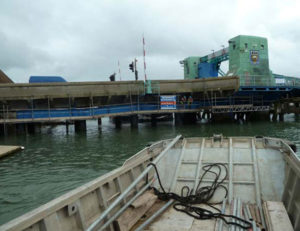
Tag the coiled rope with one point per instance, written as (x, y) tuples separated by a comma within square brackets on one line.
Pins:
[(201, 195)]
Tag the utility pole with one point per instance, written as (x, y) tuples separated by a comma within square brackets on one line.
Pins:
[(135, 72)]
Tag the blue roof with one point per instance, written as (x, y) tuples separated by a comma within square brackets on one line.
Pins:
[(46, 79)]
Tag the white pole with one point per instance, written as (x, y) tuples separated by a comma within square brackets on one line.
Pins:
[(119, 70), (144, 56)]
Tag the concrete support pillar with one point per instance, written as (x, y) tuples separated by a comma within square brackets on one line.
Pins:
[(240, 116), (247, 116), (281, 117), (3, 131), (189, 118), (21, 128), (198, 116), (38, 127), (224, 117), (235, 116), (209, 115), (11, 129), (261, 115), (134, 121), (30, 128), (67, 127), (274, 116), (153, 120), (118, 121), (178, 118), (80, 125), (99, 122), (185, 118), (206, 114)]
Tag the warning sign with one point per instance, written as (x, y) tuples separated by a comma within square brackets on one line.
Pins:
[(168, 102)]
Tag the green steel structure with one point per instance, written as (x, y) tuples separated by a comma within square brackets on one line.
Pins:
[(190, 67), (191, 64), (248, 59)]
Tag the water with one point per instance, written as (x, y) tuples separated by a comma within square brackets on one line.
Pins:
[(54, 162)]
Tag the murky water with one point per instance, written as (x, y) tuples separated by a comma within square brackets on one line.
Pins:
[(54, 162)]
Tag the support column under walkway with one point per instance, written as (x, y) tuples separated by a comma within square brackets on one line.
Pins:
[(80, 125), (134, 121), (185, 118)]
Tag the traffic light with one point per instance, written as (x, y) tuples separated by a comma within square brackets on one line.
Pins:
[(131, 67)]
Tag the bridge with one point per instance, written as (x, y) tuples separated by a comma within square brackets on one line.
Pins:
[(79, 101)]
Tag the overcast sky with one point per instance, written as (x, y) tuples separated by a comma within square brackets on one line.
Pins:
[(83, 40)]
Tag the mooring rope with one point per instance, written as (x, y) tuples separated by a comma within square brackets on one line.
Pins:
[(201, 195)]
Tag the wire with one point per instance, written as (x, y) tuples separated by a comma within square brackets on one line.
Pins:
[(201, 195)]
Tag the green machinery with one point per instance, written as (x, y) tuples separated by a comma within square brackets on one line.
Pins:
[(248, 59)]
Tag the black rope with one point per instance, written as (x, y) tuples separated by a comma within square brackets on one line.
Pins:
[(201, 195)]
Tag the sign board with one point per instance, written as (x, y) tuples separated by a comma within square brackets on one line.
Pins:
[(254, 57), (168, 102), (279, 81)]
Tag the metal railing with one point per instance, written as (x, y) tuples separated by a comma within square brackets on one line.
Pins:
[(231, 104), (104, 215), (268, 80)]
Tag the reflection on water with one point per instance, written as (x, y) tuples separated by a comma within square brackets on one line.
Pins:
[(54, 162)]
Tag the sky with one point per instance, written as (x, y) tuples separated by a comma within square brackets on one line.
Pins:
[(85, 40)]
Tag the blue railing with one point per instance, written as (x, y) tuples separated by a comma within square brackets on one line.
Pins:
[(95, 111), (134, 107)]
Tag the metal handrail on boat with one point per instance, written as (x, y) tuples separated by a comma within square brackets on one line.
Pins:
[(120, 211), (134, 183)]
